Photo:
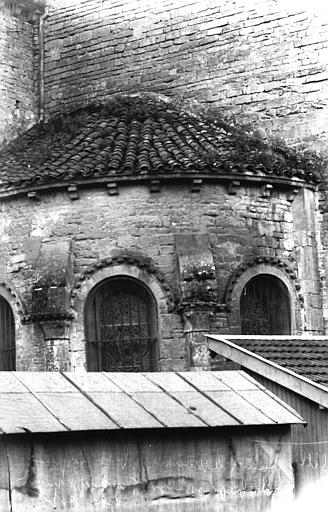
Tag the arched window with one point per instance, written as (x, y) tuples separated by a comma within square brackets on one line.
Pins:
[(7, 337), (121, 327), (265, 307)]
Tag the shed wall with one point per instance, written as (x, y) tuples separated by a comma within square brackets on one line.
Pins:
[(178, 471), (310, 443)]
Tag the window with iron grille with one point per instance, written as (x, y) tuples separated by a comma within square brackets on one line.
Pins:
[(121, 327), (7, 337), (265, 307)]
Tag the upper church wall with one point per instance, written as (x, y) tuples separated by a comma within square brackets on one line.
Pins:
[(263, 61), (18, 75)]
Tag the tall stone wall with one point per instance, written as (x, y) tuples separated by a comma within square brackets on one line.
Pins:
[(263, 61), (18, 75)]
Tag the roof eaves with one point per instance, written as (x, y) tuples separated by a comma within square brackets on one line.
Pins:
[(10, 190)]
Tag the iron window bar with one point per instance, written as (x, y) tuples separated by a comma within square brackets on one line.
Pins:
[(124, 354)]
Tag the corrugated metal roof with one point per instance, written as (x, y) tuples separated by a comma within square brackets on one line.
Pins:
[(54, 402)]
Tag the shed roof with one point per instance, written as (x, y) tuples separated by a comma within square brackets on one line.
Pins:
[(53, 402), (306, 355), (134, 138), (227, 347)]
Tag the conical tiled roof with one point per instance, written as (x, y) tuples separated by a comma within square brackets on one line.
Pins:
[(135, 137)]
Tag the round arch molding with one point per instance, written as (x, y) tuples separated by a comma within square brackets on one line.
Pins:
[(14, 300), (258, 267), (19, 315), (139, 269)]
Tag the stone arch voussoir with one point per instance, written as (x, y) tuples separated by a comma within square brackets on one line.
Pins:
[(256, 267), (13, 298), (124, 265), (138, 267)]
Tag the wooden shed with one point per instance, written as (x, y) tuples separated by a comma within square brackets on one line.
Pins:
[(296, 370), (101, 442)]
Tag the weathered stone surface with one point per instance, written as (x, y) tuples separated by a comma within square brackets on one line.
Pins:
[(98, 226), (264, 62), (18, 72)]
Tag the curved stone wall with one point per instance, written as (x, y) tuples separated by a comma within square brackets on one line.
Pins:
[(53, 250)]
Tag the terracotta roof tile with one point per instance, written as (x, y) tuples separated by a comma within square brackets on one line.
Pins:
[(133, 136)]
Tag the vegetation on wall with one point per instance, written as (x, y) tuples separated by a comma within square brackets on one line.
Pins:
[(199, 282), (29, 9), (261, 148)]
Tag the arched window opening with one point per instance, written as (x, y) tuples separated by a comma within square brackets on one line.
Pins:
[(265, 307), (7, 337), (121, 327)]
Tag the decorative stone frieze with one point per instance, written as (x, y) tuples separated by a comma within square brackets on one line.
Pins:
[(13, 298)]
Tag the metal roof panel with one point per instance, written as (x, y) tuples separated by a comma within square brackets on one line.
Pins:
[(124, 410), (269, 406), (131, 382), (22, 412), (40, 382), (203, 407), (76, 411), (244, 412), (92, 382), (238, 380), (54, 402), (167, 410), (206, 381), (171, 382)]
